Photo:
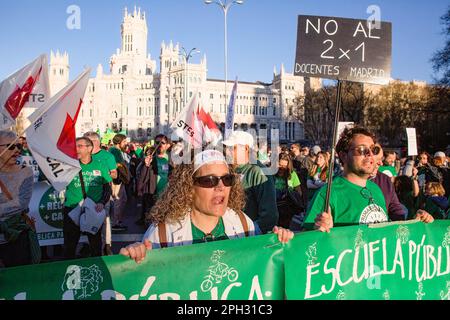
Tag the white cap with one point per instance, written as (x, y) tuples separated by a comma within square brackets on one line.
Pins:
[(208, 156), (315, 150), (439, 154), (239, 137)]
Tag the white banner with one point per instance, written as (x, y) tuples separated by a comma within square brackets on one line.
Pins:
[(412, 141)]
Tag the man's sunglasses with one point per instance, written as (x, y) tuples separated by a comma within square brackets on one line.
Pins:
[(365, 151), (213, 181), (13, 146), (161, 142)]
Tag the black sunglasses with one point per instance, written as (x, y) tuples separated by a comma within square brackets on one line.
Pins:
[(13, 146), (213, 181), (365, 151)]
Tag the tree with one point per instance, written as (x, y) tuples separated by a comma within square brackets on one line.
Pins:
[(441, 58)]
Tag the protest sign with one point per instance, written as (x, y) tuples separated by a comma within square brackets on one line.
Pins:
[(343, 49)]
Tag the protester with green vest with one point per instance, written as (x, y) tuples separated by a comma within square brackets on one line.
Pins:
[(354, 199)]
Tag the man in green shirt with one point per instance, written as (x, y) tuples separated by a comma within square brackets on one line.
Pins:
[(95, 179), (354, 199), (261, 203), (119, 193), (388, 167), (103, 156)]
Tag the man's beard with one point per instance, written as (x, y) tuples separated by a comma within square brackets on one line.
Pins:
[(361, 171)]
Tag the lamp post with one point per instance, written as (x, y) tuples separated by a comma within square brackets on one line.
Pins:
[(187, 55), (225, 6)]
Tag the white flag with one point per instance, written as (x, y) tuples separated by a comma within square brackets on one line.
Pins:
[(52, 136), (229, 123), (195, 125), (27, 87)]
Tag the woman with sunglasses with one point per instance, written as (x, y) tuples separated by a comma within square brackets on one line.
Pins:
[(18, 241), (202, 202)]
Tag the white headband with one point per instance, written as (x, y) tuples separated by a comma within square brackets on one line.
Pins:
[(208, 156)]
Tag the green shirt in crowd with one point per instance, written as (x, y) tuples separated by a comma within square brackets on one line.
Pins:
[(106, 158), (139, 153), (281, 185), (163, 173), (95, 175), (388, 170), (117, 154), (218, 233), (260, 204), (350, 204)]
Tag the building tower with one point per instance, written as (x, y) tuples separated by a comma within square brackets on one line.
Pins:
[(58, 71)]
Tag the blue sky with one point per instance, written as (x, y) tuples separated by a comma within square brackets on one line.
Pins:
[(261, 33)]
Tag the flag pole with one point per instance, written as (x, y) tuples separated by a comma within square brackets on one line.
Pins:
[(333, 145)]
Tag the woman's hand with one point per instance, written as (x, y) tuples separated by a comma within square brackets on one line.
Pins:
[(136, 251), (284, 235)]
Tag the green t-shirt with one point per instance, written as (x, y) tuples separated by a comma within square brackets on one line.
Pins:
[(106, 158), (218, 233), (163, 173), (117, 154), (95, 175), (139, 152), (280, 183), (350, 204), (388, 170), (260, 195)]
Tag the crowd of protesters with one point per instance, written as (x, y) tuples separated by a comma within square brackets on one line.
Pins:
[(250, 200)]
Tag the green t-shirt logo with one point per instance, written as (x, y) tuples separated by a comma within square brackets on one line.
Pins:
[(373, 214)]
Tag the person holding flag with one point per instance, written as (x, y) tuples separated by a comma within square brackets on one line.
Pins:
[(354, 198)]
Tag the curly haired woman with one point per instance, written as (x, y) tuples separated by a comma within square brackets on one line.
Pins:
[(202, 202)]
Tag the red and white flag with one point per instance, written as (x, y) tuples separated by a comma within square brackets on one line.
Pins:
[(195, 125), (27, 87), (51, 137)]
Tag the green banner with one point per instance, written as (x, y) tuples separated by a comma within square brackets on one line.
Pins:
[(390, 261), (399, 261), (233, 269)]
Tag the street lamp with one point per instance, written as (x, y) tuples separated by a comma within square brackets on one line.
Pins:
[(225, 5), (187, 55)]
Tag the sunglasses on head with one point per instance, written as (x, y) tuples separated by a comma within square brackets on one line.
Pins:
[(365, 151), (213, 181), (12, 147)]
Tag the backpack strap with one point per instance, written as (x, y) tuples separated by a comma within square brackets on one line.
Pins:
[(244, 222), (162, 234), (83, 189)]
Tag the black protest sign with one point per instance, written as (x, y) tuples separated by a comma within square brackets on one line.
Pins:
[(343, 49)]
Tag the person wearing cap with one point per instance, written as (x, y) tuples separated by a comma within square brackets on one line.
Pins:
[(92, 182), (261, 203), (208, 207)]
